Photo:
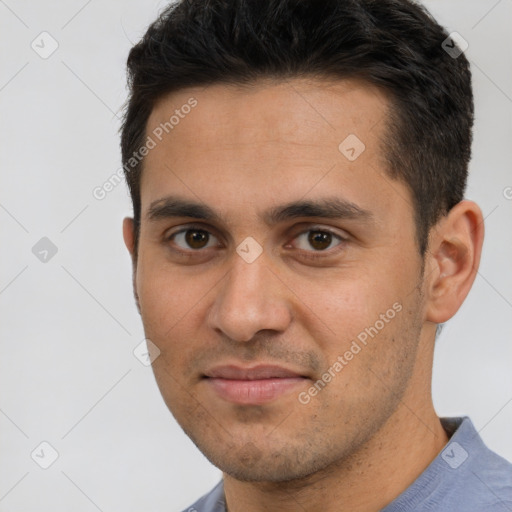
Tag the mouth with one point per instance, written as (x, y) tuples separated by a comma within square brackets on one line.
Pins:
[(252, 386)]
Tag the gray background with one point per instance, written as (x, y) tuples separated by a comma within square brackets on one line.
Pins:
[(69, 325)]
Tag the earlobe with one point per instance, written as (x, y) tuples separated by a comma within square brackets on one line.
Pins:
[(455, 249)]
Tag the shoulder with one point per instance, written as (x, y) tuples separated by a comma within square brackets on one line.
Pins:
[(466, 475), (211, 502), (489, 481), (480, 479)]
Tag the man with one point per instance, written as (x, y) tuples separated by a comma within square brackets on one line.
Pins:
[(297, 171)]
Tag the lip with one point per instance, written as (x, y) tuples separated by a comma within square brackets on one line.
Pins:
[(252, 386)]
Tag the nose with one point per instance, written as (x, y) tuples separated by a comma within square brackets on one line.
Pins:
[(250, 299)]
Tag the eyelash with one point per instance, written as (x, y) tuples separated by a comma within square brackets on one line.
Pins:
[(310, 255), (317, 255)]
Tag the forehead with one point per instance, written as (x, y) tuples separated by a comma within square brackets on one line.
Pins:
[(297, 111), (268, 141)]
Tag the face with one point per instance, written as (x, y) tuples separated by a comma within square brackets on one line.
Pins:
[(278, 273)]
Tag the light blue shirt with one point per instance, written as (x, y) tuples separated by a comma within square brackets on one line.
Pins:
[(466, 476)]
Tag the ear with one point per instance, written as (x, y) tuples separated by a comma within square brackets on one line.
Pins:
[(453, 258), (129, 241)]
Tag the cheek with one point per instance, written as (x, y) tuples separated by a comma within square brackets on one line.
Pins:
[(168, 300), (158, 299), (338, 307), (169, 305), (364, 320)]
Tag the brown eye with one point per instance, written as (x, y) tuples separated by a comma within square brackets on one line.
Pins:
[(196, 239), (319, 240)]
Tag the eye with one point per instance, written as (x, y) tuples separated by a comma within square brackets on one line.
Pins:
[(318, 240), (193, 238)]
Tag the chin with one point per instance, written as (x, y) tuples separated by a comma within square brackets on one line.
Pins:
[(250, 463)]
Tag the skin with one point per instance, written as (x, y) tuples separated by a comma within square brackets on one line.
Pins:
[(242, 151)]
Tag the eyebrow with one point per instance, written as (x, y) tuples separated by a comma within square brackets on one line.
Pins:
[(329, 208)]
